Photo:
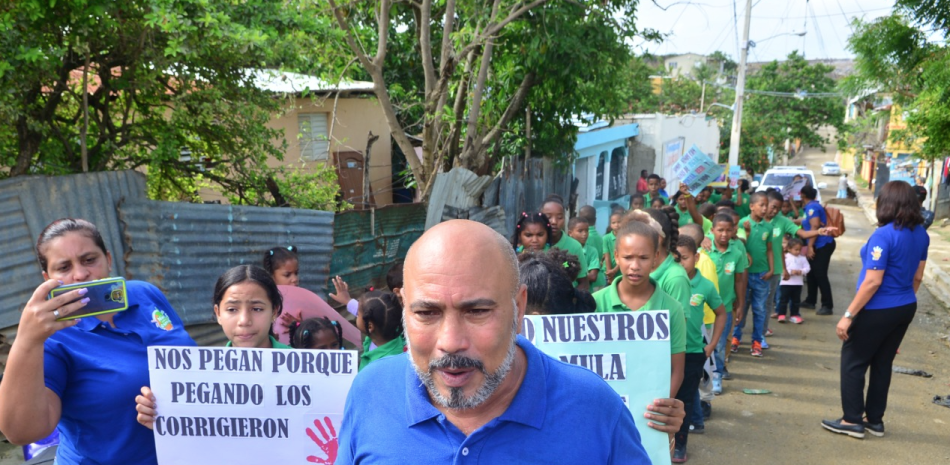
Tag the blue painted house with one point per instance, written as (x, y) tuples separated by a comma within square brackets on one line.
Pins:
[(601, 167)]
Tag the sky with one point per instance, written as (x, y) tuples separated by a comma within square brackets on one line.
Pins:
[(704, 26)]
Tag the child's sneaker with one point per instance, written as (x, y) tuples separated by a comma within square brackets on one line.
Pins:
[(756, 349), (774, 316), (765, 345), (735, 345), (769, 332), (781, 318), (796, 320)]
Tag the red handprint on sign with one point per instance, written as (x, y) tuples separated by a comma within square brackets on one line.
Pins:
[(329, 443)]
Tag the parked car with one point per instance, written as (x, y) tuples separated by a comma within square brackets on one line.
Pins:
[(830, 168), (781, 176)]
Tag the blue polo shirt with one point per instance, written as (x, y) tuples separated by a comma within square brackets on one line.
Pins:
[(898, 252), (97, 371), (815, 210), (561, 414)]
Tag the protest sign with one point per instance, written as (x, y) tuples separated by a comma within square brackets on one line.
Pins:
[(722, 180), (696, 170), (793, 190), (630, 350), (249, 406), (734, 174)]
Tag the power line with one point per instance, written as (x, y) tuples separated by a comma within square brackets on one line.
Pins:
[(735, 23), (821, 39), (822, 16), (799, 95)]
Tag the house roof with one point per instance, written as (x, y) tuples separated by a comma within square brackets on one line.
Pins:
[(285, 82)]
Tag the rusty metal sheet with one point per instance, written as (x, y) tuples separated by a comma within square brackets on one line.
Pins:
[(367, 243), (182, 248)]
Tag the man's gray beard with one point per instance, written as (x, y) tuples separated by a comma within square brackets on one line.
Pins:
[(456, 399)]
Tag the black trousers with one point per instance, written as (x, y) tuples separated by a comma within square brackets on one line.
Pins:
[(692, 374), (789, 295), (873, 340), (818, 276)]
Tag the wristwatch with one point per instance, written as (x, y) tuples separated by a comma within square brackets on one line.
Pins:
[(848, 315)]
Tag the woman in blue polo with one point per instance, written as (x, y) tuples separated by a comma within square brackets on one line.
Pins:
[(82, 375), (872, 329)]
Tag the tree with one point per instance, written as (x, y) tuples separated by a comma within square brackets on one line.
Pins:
[(769, 118), (105, 85), (480, 64), (893, 55)]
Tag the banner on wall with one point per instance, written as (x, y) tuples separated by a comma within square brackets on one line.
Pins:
[(696, 170), (629, 350), (249, 406)]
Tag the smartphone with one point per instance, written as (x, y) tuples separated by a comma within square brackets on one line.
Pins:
[(105, 296)]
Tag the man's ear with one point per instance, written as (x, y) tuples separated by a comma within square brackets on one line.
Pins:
[(521, 304)]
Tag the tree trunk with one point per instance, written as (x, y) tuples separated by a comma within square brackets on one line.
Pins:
[(29, 146)]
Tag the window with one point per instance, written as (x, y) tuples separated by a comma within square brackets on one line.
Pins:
[(618, 173), (672, 65), (599, 193), (314, 143)]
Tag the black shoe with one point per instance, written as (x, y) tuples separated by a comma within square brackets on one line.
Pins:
[(824, 311), (693, 429), (706, 407), (726, 374), (679, 454), (855, 431), (876, 429), (806, 305)]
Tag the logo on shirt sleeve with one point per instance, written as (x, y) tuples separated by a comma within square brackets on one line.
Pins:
[(161, 320), (876, 253), (811, 212), (765, 236), (730, 267)]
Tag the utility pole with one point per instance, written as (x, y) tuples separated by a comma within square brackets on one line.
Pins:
[(740, 90)]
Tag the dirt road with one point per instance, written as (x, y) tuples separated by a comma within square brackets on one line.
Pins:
[(801, 370)]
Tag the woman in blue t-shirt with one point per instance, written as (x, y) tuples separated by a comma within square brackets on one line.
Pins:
[(81, 376), (892, 268)]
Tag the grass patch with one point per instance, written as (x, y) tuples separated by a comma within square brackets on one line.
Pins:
[(860, 181)]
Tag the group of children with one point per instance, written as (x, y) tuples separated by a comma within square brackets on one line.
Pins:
[(710, 260), (247, 302)]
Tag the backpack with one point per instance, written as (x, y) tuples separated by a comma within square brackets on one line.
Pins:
[(835, 219)]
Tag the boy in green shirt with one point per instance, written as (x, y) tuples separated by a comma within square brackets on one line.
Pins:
[(731, 261), (610, 241), (761, 270), (697, 350), (554, 210), (653, 192), (579, 230)]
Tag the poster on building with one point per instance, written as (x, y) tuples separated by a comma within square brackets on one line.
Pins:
[(249, 406), (629, 350), (723, 179), (696, 170)]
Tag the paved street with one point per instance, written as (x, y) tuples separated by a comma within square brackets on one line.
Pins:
[(801, 370)]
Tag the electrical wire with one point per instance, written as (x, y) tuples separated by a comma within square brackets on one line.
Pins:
[(821, 39), (822, 16)]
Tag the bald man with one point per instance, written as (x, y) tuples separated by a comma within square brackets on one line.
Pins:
[(471, 390)]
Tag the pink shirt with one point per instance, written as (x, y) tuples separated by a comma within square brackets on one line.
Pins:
[(799, 263)]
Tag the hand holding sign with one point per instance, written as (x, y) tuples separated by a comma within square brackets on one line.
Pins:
[(696, 170), (329, 444)]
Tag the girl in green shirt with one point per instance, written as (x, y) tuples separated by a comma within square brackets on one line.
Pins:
[(246, 304), (380, 318)]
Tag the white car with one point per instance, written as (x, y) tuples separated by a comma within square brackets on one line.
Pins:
[(781, 176), (830, 168)]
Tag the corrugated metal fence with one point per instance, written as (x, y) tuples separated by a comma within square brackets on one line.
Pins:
[(28, 204), (522, 186), (367, 243), (182, 248)]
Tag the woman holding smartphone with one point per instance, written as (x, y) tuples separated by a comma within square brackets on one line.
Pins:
[(83, 374)]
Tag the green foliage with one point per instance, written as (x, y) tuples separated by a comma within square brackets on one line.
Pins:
[(166, 76), (769, 120), (893, 56), (314, 189)]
